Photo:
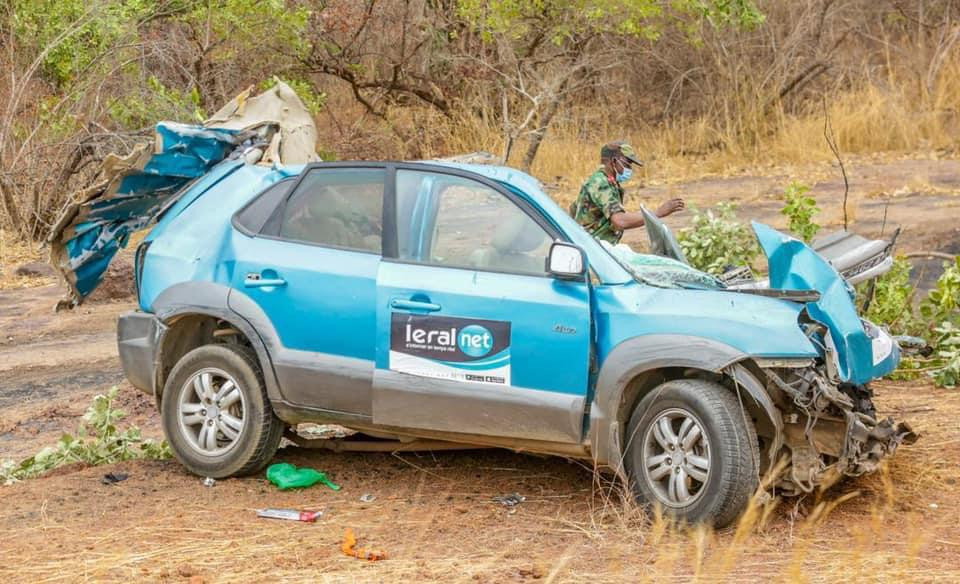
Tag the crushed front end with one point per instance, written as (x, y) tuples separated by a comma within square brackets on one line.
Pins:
[(830, 425), (830, 429)]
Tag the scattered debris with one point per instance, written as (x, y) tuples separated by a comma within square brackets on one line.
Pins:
[(913, 345), (287, 476), (209, 482), (290, 514), (368, 498), (511, 500), (349, 547), (323, 431), (114, 478)]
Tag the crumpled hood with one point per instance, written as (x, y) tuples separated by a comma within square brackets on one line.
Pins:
[(863, 351)]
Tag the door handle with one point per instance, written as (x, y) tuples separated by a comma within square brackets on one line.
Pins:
[(255, 280), (402, 304)]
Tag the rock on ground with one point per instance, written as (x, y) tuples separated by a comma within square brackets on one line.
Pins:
[(35, 270)]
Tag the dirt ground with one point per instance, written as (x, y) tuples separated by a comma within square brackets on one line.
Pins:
[(432, 513)]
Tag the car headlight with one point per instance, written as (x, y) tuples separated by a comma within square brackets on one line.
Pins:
[(881, 343)]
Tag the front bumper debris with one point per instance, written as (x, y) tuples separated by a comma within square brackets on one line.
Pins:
[(868, 442), (830, 431)]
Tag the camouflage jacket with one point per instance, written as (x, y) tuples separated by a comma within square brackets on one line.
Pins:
[(600, 197)]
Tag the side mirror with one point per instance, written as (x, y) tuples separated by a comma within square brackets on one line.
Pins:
[(566, 261)]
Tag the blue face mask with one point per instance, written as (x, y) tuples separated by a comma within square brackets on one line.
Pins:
[(625, 175)]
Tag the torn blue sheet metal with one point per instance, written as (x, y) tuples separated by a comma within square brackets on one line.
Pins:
[(141, 186), (862, 350)]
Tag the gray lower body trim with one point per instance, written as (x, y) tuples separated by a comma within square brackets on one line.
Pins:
[(410, 401), (325, 381), (293, 414), (138, 334)]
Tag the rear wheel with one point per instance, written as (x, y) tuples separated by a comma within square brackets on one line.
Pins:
[(216, 414), (692, 449)]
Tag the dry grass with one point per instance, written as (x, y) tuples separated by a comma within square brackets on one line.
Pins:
[(434, 518), (614, 542), (13, 252), (893, 117)]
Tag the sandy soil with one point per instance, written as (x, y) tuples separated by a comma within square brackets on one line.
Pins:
[(433, 513), (920, 195)]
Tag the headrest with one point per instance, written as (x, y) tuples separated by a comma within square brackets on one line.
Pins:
[(519, 234)]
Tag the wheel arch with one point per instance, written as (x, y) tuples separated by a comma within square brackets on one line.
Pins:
[(638, 365), (193, 314)]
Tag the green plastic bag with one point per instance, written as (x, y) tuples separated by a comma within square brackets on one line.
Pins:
[(286, 476)]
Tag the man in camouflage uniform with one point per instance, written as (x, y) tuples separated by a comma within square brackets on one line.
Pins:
[(599, 206)]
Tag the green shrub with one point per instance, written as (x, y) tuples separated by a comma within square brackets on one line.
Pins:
[(140, 110), (947, 356), (937, 319), (716, 240), (800, 209), (943, 302), (98, 441), (892, 303)]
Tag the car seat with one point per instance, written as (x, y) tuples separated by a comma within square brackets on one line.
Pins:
[(511, 246)]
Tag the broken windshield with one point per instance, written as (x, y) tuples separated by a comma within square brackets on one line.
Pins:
[(660, 271)]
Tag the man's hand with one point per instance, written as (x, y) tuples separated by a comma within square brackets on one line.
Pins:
[(623, 220), (670, 207)]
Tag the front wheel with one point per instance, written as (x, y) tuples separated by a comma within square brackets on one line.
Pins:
[(692, 449), (216, 414)]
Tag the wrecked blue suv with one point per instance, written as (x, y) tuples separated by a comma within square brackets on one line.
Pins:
[(459, 303)]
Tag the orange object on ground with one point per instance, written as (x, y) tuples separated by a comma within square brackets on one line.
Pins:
[(349, 547)]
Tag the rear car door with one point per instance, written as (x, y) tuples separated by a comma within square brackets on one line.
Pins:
[(473, 336), (309, 269)]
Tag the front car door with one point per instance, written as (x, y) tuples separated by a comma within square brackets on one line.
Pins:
[(473, 336), (311, 269)]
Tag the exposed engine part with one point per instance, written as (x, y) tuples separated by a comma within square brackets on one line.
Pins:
[(830, 429), (862, 397), (913, 345), (736, 276)]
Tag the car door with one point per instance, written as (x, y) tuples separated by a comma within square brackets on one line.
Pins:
[(310, 272), (473, 336)]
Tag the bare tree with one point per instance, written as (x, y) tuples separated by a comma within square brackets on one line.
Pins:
[(384, 51)]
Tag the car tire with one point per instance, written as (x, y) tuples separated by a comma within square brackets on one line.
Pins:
[(216, 414), (692, 449)]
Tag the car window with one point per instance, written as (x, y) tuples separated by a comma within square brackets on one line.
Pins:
[(254, 215), (455, 221), (340, 207)]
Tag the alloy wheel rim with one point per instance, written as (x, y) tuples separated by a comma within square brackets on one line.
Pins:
[(211, 411), (676, 458)]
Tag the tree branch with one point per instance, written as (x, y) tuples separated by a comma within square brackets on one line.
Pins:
[(831, 141)]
